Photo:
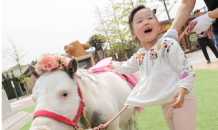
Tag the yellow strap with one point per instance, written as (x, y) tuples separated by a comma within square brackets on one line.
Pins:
[(87, 121)]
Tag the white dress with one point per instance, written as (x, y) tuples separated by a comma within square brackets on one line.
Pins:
[(164, 69)]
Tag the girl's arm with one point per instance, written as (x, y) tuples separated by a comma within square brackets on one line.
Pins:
[(181, 65), (126, 67)]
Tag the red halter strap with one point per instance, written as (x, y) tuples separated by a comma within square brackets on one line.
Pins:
[(60, 117)]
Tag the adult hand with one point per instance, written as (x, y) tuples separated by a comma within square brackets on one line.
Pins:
[(203, 23), (171, 33), (180, 93)]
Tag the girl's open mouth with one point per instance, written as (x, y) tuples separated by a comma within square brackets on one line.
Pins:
[(148, 30)]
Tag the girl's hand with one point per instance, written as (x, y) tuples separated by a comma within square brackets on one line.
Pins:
[(111, 65), (180, 93)]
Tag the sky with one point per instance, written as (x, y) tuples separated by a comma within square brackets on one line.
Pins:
[(46, 26)]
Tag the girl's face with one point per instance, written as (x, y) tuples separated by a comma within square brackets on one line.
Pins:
[(145, 26)]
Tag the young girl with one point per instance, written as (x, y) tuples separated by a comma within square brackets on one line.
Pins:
[(167, 77)]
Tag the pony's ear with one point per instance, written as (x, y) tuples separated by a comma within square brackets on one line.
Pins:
[(33, 70), (72, 67), (154, 11)]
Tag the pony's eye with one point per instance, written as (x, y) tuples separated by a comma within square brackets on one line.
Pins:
[(64, 94)]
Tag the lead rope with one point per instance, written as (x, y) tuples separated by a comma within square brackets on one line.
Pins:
[(102, 126), (87, 121), (189, 29)]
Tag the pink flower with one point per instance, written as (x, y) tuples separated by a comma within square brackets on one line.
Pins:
[(40, 59), (47, 62), (57, 57), (39, 68)]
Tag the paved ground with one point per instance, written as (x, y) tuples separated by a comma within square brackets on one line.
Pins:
[(23, 102), (196, 58)]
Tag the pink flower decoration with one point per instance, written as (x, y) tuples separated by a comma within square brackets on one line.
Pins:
[(47, 62), (39, 68), (184, 75)]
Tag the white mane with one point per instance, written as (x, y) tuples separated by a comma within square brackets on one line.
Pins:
[(84, 74)]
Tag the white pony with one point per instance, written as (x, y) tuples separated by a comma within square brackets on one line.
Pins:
[(104, 94)]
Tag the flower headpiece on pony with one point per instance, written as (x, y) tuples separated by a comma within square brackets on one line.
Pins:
[(48, 62)]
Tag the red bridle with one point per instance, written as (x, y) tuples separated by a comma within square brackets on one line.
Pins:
[(62, 118)]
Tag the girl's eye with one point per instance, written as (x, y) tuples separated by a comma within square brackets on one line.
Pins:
[(139, 21), (150, 18)]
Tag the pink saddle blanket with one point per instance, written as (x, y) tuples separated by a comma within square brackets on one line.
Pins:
[(131, 79)]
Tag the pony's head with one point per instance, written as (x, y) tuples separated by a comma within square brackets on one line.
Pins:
[(55, 91)]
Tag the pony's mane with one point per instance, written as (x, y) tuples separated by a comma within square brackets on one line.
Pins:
[(84, 73)]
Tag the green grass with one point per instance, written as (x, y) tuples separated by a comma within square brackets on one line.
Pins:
[(206, 91), (28, 109), (27, 126)]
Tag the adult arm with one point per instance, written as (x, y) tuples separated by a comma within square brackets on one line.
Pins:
[(213, 14), (182, 15)]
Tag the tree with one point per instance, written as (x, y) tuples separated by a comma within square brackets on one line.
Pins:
[(17, 55), (2, 80), (103, 25), (97, 41), (113, 22), (16, 85), (115, 48), (130, 49), (7, 86), (4, 51), (33, 63)]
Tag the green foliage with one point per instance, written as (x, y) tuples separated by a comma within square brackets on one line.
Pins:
[(23, 79), (7, 86), (97, 41), (115, 48), (130, 49), (34, 62), (17, 55), (16, 67), (2, 80), (6, 81), (113, 22)]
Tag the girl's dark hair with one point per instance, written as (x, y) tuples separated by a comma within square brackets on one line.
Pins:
[(132, 13)]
